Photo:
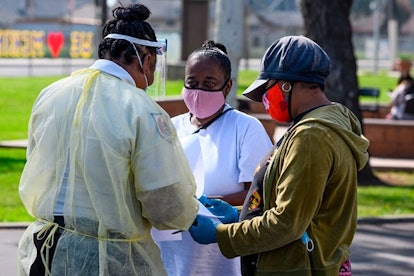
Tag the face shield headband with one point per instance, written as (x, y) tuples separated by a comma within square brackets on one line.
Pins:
[(160, 45), (157, 89)]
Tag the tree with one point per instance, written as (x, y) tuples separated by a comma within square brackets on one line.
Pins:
[(328, 24), (229, 30)]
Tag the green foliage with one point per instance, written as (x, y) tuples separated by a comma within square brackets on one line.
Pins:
[(405, 57)]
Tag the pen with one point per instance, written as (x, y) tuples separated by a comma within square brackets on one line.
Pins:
[(178, 231)]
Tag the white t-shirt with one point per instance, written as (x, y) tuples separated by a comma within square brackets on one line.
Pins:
[(397, 100), (231, 148)]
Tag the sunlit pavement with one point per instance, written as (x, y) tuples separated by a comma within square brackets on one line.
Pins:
[(381, 247)]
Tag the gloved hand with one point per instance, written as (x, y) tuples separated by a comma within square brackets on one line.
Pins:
[(224, 211), (203, 230)]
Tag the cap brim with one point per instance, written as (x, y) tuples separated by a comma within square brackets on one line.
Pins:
[(256, 90)]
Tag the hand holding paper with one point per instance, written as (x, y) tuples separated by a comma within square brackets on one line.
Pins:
[(203, 229), (223, 210)]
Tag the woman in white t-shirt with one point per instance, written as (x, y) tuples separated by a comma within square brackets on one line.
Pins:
[(223, 146)]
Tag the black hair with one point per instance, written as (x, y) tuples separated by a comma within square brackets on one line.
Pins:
[(212, 44), (404, 77), (215, 51), (129, 20), (409, 83)]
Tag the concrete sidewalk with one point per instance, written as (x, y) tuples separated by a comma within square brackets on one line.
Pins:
[(381, 247), (391, 163)]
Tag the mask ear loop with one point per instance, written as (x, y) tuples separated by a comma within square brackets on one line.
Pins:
[(225, 83), (215, 90), (140, 63), (288, 89)]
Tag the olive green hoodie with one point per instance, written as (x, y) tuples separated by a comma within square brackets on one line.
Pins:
[(310, 185)]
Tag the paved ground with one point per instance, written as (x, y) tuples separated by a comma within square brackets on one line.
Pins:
[(8, 249), (41, 67), (381, 247)]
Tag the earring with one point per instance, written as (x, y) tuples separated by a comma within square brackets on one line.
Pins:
[(286, 87)]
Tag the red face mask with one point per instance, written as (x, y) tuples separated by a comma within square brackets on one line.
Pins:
[(276, 104)]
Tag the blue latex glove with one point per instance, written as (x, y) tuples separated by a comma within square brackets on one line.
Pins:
[(223, 210), (204, 200), (203, 230)]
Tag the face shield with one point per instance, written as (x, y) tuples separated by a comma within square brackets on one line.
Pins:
[(157, 89)]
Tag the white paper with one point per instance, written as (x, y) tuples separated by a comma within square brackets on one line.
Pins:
[(165, 235), (203, 211), (173, 235)]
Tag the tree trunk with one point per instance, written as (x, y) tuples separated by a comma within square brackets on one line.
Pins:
[(229, 30), (328, 24)]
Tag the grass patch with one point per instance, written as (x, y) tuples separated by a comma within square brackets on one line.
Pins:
[(19, 94), (383, 81), (373, 201), (173, 88), (11, 165), (396, 199), (385, 201), (245, 78)]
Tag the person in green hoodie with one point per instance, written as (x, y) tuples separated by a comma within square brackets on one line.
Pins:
[(300, 215)]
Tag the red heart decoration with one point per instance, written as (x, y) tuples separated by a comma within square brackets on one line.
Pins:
[(55, 42)]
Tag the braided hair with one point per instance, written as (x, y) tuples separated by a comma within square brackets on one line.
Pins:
[(129, 20), (217, 52)]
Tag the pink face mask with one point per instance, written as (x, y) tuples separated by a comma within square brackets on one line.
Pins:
[(202, 103)]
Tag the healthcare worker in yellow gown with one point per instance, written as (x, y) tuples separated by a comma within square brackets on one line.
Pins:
[(104, 164)]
